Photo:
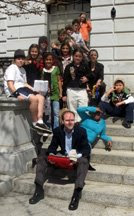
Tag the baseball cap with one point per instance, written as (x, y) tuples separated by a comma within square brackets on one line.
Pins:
[(19, 53)]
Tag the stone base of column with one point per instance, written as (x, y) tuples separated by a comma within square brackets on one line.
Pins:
[(16, 148)]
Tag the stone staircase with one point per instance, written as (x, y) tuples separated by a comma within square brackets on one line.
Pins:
[(112, 184)]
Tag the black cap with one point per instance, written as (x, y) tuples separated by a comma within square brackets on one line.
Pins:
[(43, 39), (19, 54)]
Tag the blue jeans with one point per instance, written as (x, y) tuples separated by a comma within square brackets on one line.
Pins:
[(55, 113), (126, 111)]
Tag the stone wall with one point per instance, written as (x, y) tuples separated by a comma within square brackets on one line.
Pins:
[(20, 32), (62, 15), (114, 38)]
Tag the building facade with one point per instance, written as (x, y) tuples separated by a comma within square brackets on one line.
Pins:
[(114, 38), (19, 32)]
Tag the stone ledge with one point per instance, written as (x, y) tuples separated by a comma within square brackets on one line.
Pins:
[(10, 103)]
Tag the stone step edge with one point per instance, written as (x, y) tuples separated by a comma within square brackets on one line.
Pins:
[(119, 144), (121, 153), (95, 192), (104, 173), (114, 157)]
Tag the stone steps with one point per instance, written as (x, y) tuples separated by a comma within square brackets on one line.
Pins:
[(118, 121), (112, 184), (119, 143), (119, 130), (94, 192), (104, 173), (115, 157)]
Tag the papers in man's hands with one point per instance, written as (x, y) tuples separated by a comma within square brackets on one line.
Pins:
[(41, 86)]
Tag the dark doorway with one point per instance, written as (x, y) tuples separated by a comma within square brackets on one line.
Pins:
[(61, 13)]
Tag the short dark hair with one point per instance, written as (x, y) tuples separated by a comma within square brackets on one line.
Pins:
[(82, 13), (19, 54), (61, 31), (75, 21), (69, 27), (77, 50), (119, 81), (65, 112), (43, 39)]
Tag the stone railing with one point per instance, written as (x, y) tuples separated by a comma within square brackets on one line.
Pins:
[(16, 148)]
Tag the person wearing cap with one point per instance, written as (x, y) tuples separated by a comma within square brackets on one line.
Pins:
[(43, 45), (95, 126), (118, 102), (71, 139), (15, 85)]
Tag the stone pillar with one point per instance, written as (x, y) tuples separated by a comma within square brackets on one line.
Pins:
[(16, 148)]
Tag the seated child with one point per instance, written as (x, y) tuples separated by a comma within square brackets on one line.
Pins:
[(92, 121), (15, 85), (117, 101)]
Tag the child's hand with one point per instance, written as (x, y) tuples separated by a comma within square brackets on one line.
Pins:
[(109, 146), (110, 91), (98, 83), (84, 79), (64, 98), (99, 110), (119, 103), (60, 95), (28, 62)]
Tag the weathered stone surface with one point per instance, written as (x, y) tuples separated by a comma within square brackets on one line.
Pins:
[(120, 158), (16, 148), (5, 184), (14, 163), (18, 205), (129, 176), (118, 143), (120, 131), (101, 3), (94, 192)]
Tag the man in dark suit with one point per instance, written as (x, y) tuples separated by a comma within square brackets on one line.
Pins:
[(67, 137)]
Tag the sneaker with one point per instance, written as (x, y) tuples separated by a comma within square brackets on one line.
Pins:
[(43, 127)]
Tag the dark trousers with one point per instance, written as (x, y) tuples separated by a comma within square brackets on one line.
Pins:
[(126, 111), (43, 167)]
